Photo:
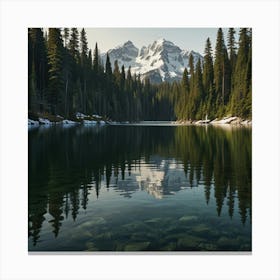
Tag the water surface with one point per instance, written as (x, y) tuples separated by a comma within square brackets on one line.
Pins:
[(139, 188)]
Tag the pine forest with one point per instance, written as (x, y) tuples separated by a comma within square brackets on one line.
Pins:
[(65, 77)]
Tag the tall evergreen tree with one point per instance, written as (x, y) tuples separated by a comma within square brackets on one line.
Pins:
[(208, 78), (74, 61), (191, 66), (198, 93), (221, 73), (96, 60), (74, 44), (85, 73), (55, 61), (38, 66), (181, 106), (231, 48), (232, 54), (242, 77), (109, 93), (66, 33)]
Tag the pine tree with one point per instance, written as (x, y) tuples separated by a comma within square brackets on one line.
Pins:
[(198, 93), (85, 69), (208, 78), (74, 44), (108, 68), (190, 105), (74, 61), (55, 60), (181, 106), (191, 66), (38, 60), (185, 81), (221, 74), (232, 56), (66, 34), (129, 94), (109, 92), (231, 48), (241, 97), (96, 60)]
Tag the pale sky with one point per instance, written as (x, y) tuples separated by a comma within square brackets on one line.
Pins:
[(185, 38)]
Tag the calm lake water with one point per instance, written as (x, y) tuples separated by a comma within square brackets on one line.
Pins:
[(139, 188)]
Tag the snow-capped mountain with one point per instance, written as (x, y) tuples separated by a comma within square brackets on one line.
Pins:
[(125, 54), (160, 61)]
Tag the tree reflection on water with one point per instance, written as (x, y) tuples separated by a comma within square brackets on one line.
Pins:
[(66, 165)]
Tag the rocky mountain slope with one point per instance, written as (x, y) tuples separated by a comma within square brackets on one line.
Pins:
[(160, 61)]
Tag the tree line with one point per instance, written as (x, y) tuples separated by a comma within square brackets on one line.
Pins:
[(65, 77)]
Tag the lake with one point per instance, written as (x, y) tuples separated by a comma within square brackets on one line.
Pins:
[(139, 188)]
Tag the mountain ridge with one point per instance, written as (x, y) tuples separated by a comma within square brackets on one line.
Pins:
[(160, 61)]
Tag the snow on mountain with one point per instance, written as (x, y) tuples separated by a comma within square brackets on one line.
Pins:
[(125, 55), (160, 61)]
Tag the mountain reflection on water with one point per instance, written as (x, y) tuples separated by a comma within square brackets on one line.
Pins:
[(72, 168)]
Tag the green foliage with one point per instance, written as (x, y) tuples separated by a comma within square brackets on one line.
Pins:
[(37, 69), (241, 94), (55, 61), (221, 71)]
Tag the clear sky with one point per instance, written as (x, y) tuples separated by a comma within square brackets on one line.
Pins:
[(185, 38)]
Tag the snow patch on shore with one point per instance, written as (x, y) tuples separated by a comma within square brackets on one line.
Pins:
[(45, 121), (31, 122), (68, 122), (87, 122)]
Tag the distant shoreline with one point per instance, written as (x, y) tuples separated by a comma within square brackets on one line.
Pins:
[(237, 121), (227, 121)]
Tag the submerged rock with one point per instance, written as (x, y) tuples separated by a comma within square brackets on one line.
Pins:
[(135, 226), (169, 247), (139, 246), (189, 242), (120, 247), (91, 246), (207, 247), (153, 221), (105, 235), (201, 228), (92, 222), (228, 243), (142, 236), (188, 218)]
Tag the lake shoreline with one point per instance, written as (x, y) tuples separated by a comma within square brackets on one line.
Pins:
[(236, 121), (232, 121)]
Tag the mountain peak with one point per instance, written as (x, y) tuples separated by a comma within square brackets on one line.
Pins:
[(162, 41), (128, 43), (161, 61)]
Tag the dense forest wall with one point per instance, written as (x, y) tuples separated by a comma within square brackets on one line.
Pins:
[(65, 77)]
